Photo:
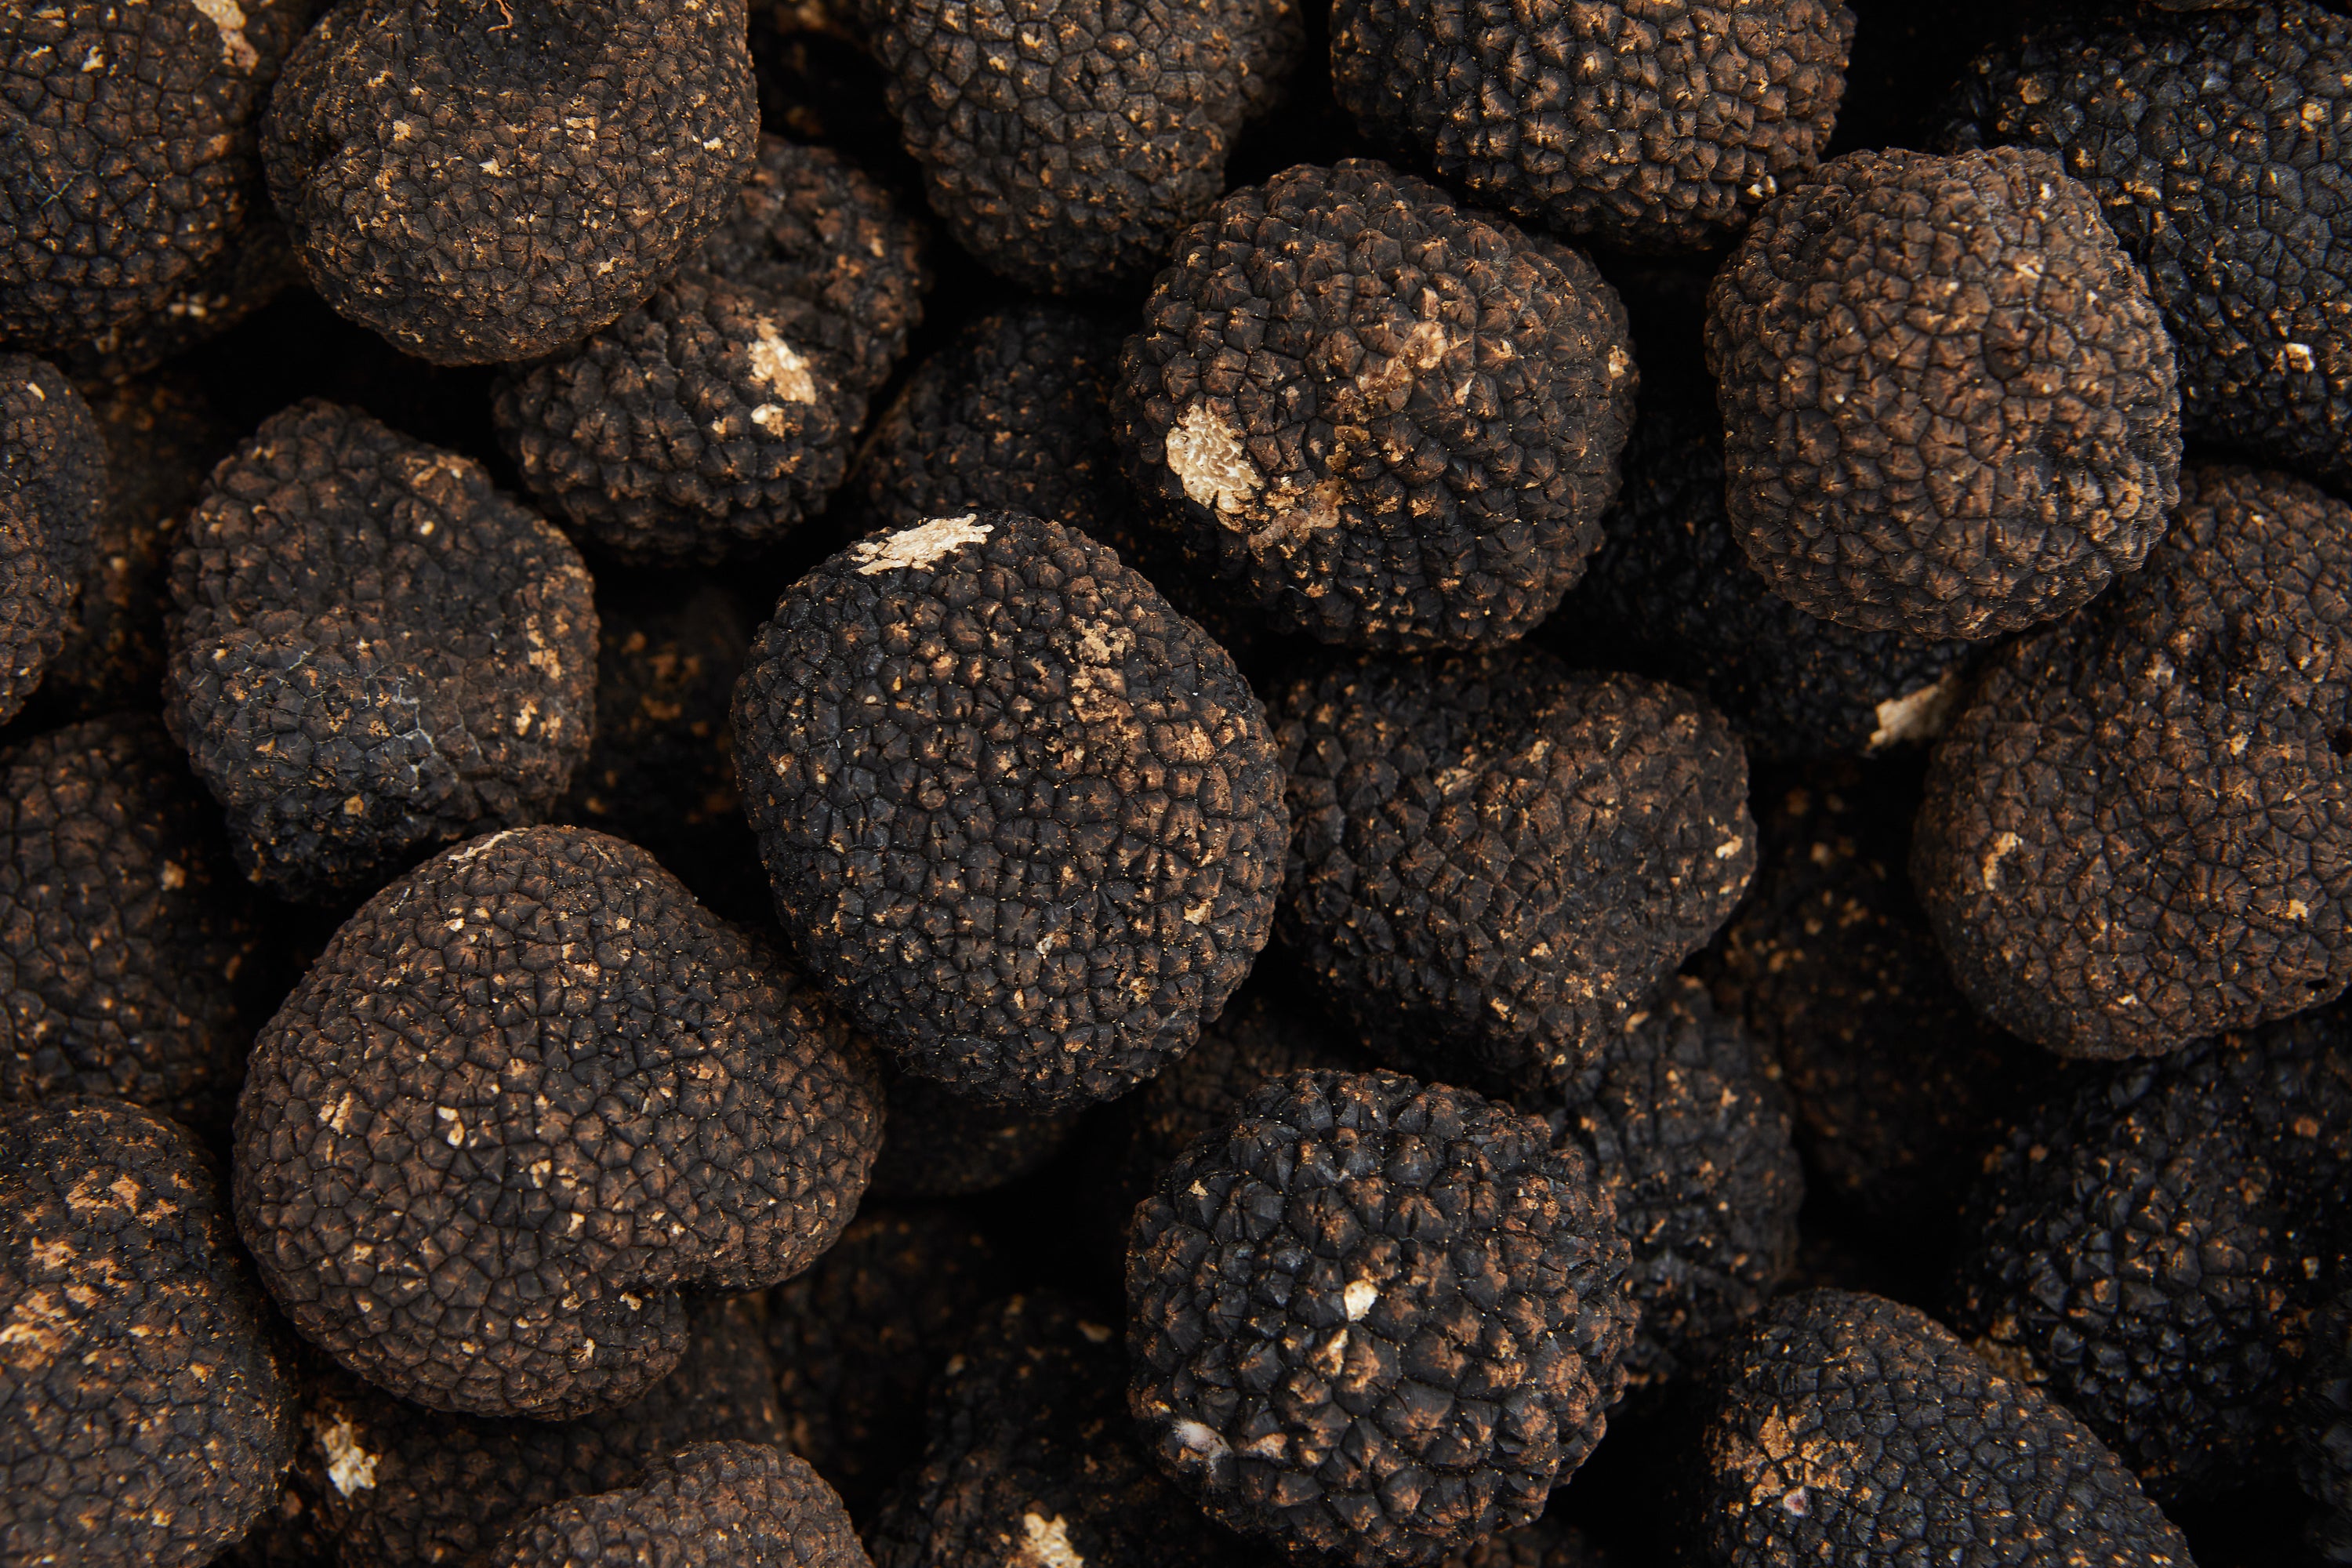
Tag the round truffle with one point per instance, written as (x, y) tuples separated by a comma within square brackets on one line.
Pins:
[(1948, 402), (1848, 1431), (52, 494), (1493, 859), (143, 1414), (373, 652), (528, 1094), (1022, 816), (936, 1143), (1375, 1318), (479, 182), (1382, 419), (2139, 829), (1658, 124), (714, 1505)]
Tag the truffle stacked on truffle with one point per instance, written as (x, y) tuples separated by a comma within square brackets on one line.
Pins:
[(52, 494)]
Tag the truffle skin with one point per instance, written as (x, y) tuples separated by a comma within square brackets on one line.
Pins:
[(480, 186), (1657, 124), (372, 652), (2208, 142), (125, 928), (1493, 860), (52, 493), (936, 1143), (2147, 1247), (1848, 1431), (143, 1415), (1066, 145), (1023, 817), (1030, 1457), (1416, 445), (715, 1505), (1374, 1319), (502, 1230), (132, 169), (1948, 402), (2137, 831)]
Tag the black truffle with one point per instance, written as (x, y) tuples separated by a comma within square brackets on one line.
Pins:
[(1374, 1319), (52, 494), (1543, 1544), (1656, 126), (1493, 859), (477, 182), (526, 1095), (1066, 146), (936, 1143), (1948, 402), (372, 652), (143, 1414), (715, 1505), (1848, 1431), (2139, 829), (1024, 818), (1383, 419)]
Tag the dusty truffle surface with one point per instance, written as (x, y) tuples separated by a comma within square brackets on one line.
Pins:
[(1950, 404), (1375, 1318), (1020, 814), (143, 1414), (714, 1505), (52, 494), (2139, 829), (1414, 447), (373, 652), (527, 1095)]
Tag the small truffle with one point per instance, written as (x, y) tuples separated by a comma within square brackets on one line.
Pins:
[(52, 494), (527, 1095), (374, 653), (1948, 402), (1022, 816), (936, 1143), (1374, 1319), (715, 1505), (1415, 448)]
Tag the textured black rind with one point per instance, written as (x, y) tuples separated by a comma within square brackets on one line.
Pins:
[(1029, 1450), (1066, 146), (480, 185), (1950, 404), (1688, 1129), (254, 271), (2212, 143), (858, 1337), (1375, 1318), (1385, 420), (132, 169), (1657, 124), (125, 928), (372, 652), (144, 1413), (715, 1505), (601, 1094), (2148, 1246), (2139, 829), (2324, 1417), (1846, 1431), (52, 493), (1022, 817), (936, 1143), (1495, 860)]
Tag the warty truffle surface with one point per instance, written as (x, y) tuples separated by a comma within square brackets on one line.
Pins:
[(52, 493), (714, 1505)]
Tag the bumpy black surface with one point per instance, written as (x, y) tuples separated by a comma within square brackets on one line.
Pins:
[(2139, 830), (125, 928), (1652, 123), (52, 494), (1847, 1431), (2212, 143), (1948, 402), (2147, 1247), (1493, 859), (1030, 1457), (1066, 145), (482, 185), (1024, 818), (373, 651), (936, 1143), (2323, 1416), (715, 1505), (1388, 421), (143, 1416), (858, 1338), (132, 169), (1375, 1318), (527, 1094)]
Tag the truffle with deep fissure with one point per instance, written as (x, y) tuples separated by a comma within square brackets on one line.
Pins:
[(52, 493)]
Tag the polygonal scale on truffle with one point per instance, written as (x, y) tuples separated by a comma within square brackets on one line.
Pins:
[(714, 1505)]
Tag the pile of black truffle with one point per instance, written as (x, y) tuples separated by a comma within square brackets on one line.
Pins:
[(1119, 783)]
